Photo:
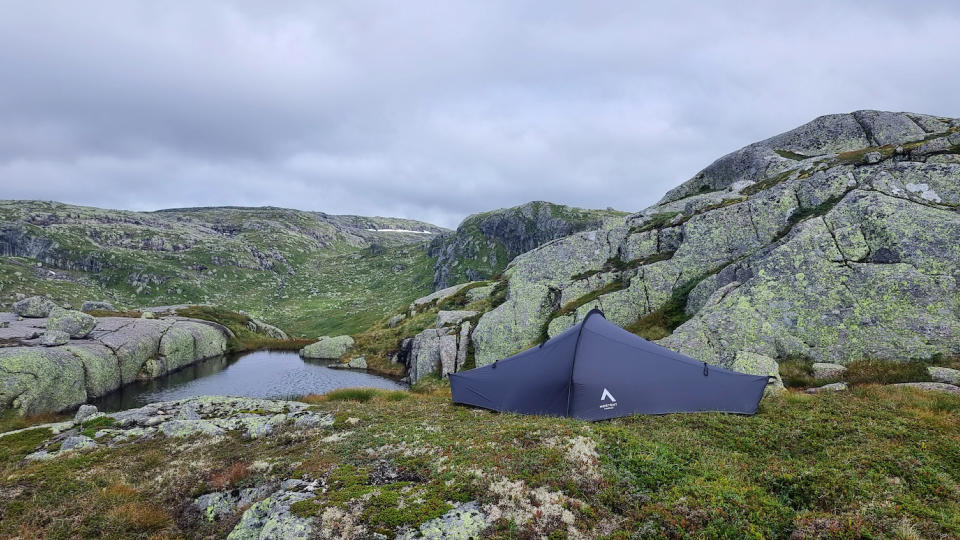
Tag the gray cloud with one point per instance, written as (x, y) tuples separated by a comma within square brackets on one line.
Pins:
[(434, 111)]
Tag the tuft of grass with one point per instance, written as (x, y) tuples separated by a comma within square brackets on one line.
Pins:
[(230, 476), (131, 314), (431, 384), (91, 427), (872, 371), (661, 322), (139, 517), (657, 221), (351, 394)]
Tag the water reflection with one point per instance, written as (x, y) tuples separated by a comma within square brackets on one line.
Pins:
[(265, 374)]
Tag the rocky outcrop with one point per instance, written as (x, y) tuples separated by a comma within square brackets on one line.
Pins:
[(442, 350), (117, 351), (211, 416), (835, 241), (327, 348), (484, 243), (944, 375)]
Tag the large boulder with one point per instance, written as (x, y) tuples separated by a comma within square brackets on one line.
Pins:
[(35, 380), (328, 348), (35, 307), (75, 323)]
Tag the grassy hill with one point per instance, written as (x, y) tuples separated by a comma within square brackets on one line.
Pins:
[(310, 273)]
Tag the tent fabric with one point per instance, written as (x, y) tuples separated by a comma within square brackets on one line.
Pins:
[(597, 370)]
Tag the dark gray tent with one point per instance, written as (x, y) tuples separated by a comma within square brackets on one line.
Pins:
[(597, 370)]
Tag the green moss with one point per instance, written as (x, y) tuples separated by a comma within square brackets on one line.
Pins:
[(91, 427), (14, 447), (657, 221), (790, 155)]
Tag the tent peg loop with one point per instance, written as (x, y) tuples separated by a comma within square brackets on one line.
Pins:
[(706, 371)]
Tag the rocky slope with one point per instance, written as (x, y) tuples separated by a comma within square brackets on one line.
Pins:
[(38, 376), (835, 241), (308, 271), (484, 243)]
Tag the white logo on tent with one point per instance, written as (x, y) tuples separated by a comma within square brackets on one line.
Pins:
[(605, 396)]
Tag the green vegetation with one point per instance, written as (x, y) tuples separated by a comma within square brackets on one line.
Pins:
[(790, 155), (290, 268), (874, 462), (657, 221), (243, 338), (352, 394), (797, 371), (91, 427), (661, 322)]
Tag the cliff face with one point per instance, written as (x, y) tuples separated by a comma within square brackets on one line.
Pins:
[(484, 243), (837, 240)]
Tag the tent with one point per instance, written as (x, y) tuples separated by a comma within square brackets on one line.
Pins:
[(597, 370)]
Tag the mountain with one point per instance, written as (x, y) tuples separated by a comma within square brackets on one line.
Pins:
[(484, 243), (310, 271), (835, 241)]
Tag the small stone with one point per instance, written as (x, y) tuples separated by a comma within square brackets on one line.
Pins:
[(84, 412), (825, 370), (834, 387), (931, 386), (944, 375), (451, 318), (77, 442), (147, 315), (396, 319), (54, 338), (873, 157), (359, 362)]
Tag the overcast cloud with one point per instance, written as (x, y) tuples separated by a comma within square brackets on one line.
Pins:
[(434, 110)]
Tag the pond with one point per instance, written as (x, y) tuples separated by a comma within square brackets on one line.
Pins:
[(261, 374)]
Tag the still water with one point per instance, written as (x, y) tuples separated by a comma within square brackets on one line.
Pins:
[(262, 374)]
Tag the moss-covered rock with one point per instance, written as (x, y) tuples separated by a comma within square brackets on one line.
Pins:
[(38, 379), (328, 348), (33, 307), (75, 323)]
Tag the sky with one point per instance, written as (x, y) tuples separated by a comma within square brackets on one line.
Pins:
[(435, 110)]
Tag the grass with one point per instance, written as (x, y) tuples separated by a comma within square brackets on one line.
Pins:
[(243, 338), (797, 371), (11, 420), (657, 221), (661, 322), (874, 462)]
